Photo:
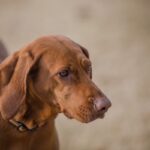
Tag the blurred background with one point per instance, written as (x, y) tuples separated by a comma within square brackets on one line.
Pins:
[(117, 35)]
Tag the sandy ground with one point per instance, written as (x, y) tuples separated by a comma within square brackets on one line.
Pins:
[(117, 35)]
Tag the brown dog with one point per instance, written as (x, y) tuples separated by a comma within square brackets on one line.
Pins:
[(50, 75)]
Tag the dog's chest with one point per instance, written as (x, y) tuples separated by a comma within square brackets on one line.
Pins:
[(44, 138)]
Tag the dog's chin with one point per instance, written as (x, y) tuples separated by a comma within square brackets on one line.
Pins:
[(68, 115), (89, 118)]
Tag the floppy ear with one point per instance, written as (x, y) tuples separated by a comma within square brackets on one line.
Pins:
[(86, 53), (84, 50), (13, 82)]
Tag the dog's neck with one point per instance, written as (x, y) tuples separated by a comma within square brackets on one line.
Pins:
[(34, 112)]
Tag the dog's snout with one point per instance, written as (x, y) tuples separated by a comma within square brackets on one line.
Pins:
[(101, 104)]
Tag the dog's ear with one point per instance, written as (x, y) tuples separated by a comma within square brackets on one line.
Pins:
[(84, 50), (13, 81), (86, 53)]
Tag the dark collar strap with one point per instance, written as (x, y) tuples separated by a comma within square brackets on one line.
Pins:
[(21, 126)]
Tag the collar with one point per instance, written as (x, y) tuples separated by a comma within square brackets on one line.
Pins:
[(21, 127)]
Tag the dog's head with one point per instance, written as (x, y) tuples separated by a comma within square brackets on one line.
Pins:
[(52, 74)]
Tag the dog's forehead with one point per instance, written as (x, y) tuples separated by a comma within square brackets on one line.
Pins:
[(66, 46), (57, 47), (60, 45), (59, 50), (64, 57)]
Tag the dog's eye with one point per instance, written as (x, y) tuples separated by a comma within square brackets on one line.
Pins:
[(64, 73), (89, 71)]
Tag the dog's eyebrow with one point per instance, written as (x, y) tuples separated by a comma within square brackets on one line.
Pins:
[(86, 62)]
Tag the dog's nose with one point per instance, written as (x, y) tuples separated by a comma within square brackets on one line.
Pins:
[(101, 104)]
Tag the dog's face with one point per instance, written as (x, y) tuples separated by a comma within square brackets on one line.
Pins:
[(61, 75), (70, 81)]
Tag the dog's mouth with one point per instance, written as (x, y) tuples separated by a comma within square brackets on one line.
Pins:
[(68, 115), (94, 116), (85, 117)]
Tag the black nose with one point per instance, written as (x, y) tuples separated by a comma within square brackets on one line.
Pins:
[(101, 104)]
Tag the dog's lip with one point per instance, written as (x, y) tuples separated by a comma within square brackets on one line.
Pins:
[(67, 114), (100, 114), (92, 117)]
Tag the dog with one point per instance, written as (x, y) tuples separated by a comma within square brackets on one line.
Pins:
[(50, 75)]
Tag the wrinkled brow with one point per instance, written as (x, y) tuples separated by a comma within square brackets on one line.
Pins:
[(86, 62)]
